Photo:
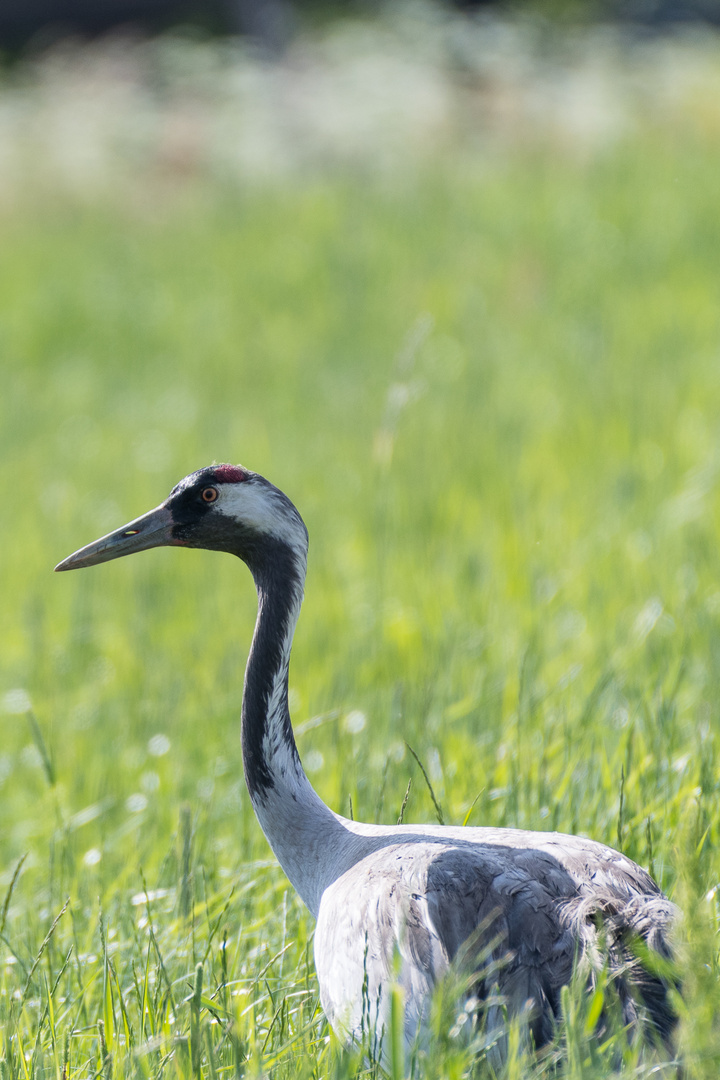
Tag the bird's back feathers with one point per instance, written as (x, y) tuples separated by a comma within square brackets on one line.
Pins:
[(509, 912)]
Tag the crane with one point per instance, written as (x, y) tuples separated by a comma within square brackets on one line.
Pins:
[(517, 910)]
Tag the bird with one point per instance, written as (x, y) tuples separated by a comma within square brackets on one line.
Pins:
[(511, 914)]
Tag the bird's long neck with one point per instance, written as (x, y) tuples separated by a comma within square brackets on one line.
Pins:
[(300, 828)]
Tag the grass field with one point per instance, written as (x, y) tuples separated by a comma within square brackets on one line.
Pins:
[(492, 387)]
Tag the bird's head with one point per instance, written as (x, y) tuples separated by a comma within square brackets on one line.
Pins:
[(221, 507)]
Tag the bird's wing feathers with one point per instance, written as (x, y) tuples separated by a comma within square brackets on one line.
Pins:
[(498, 919), (373, 929), (432, 907), (508, 920)]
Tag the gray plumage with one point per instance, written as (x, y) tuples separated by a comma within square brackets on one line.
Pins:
[(509, 914), (516, 909)]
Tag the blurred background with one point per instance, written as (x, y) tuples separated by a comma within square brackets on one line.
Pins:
[(248, 90), (450, 276), (272, 23)]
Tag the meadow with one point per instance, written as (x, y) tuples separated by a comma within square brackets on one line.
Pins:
[(491, 384)]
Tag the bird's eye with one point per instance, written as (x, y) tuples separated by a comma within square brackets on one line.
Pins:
[(209, 494)]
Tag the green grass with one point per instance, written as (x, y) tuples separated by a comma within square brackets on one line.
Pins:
[(493, 390)]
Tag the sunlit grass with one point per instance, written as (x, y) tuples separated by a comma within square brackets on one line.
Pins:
[(493, 393)]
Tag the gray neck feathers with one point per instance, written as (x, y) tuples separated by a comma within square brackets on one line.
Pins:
[(297, 824)]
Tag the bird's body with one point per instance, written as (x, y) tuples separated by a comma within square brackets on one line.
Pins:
[(511, 912), (526, 902)]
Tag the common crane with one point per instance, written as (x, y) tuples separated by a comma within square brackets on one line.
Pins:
[(530, 904)]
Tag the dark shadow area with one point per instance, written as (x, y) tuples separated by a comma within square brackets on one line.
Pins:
[(38, 23), (270, 23)]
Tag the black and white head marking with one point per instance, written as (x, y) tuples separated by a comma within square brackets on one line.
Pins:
[(228, 508)]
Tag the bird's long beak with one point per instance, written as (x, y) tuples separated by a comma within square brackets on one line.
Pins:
[(151, 530)]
